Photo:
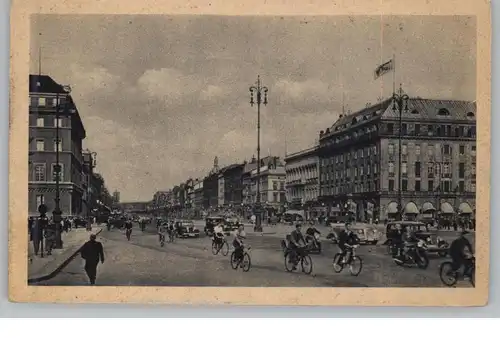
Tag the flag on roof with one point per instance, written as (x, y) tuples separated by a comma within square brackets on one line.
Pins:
[(384, 69)]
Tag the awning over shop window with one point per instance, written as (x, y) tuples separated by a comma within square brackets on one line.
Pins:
[(446, 208), (428, 207), (392, 208), (411, 208), (465, 208)]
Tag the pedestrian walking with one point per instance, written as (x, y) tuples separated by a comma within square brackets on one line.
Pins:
[(92, 252)]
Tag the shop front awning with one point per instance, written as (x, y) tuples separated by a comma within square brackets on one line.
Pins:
[(411, 208), (392, 208), (428, 208), (465, 208), (446, 208)]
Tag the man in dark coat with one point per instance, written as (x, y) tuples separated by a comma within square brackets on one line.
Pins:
[(92, 252)]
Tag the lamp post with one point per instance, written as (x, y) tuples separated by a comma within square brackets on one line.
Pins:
[(258, 90), (400, 104), (57, 213)]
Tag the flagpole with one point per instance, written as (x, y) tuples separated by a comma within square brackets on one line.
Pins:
[(394, 73)]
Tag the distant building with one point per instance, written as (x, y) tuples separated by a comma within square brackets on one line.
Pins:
[(47, 100), (116, 197), (198, 197), (272, 186), (134, 207), (246, 179), (359, 159), (302, 183)]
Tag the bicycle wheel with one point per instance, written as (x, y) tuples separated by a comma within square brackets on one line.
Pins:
[(215, 248), (447, 275), (337, 264), (234, 261), (356, 265), (246, 262), (288, 264), (307, 264), (225, 248)]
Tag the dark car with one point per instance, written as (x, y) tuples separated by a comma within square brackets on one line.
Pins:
[(211, 222), (231, 224), (186, 229)]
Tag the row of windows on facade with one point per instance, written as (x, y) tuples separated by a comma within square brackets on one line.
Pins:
[(48, 102), (433, 130), (57, 122), (366, 152), (40, 145), (437, 169), (40, 171), (277, 185), (276, 197), (446, 186)]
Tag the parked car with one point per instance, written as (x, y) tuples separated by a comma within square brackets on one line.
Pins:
[(367, 233), (185, 229), (211, 222), (434, 243)]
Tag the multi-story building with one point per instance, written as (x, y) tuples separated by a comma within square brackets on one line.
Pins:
[(233, 185), (116, 196), (302, 169), (52, 111), (246, 177), (198, 198), (220, 197), (272, 186), (89, 195), (211, 191), (360, 159)]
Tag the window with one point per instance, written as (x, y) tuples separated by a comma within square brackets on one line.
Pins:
[(275, 185), (430, 150), (417, 129), (417, 149), (446, 169), (374, 151), (355, 171), (361, 171), (414, 111), (443, 112), (447, 149), (430, 185), (41, 101), (391, 149), (430, 130), (275, 197), (368, 170), (461, 186), (391, 185), (404, 185), (58, 145), (447, 186), (417, 185), (404, 149), (375, 169), (58, 122), (473, 186), (430, 169), (39, 200), (282, 185), (391, 167), (417, 169), (462, 150), (404, 168), (40, 145), (33, 101), (40, 122), (473, 151), (39, 170), (473, 170), (390, 128), (461, 170), (404, 129)]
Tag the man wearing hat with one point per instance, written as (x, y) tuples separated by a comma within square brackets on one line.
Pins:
[(92, 252)]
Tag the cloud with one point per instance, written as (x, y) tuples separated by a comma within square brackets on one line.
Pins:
[(212, 92), (167, 83), (312, 90), (87, 80)]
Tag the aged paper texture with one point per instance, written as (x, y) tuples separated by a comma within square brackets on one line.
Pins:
[(154, 125)]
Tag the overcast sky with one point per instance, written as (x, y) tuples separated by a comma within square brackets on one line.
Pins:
[(161, 96)]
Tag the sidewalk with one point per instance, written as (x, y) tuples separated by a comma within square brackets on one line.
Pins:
[(41, 268)]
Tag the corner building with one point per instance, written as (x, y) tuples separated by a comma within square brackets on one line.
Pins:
[(359, 159)]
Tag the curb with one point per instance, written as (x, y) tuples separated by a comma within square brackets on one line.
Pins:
[(60, 267)]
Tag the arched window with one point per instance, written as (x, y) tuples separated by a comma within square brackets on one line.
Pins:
[(415, 112), (444, 112), (470, 114)]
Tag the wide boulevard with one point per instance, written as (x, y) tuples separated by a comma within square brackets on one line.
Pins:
[(190, 262)]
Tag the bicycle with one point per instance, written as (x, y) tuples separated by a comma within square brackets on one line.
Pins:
[(244, 261), (339, 264), (171, 236), (302, 257), (450, 277), (220, 246)]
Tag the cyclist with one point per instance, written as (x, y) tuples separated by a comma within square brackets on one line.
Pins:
[(128, 227), (238, 244), (347, 239), (218, 233), (162, 229), (296, 245), (461, 252)]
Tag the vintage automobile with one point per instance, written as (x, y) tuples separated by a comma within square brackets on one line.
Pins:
[(434, 243), (367, 233), (231, 224), (185, 229), (211, 222)]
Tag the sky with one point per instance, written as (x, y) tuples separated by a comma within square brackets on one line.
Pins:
[(160, 96)]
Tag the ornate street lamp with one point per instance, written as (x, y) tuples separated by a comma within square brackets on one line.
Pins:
[(258, 90), (400, 104)]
